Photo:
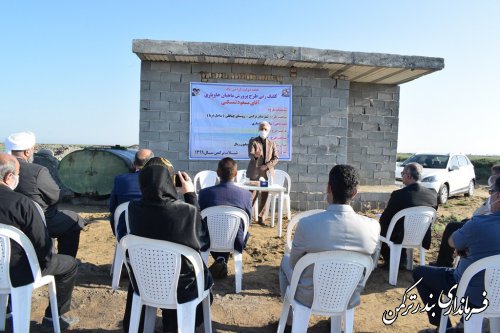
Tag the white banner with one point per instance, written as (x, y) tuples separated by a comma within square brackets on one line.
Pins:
[(225, 116)]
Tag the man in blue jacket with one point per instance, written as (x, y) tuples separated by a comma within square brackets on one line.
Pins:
[(126, 186), (226, 193), (477, 239)]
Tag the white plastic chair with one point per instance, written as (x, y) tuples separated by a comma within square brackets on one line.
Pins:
[(416, 222), (156, 266), (336, 276), (280, 178), (42, 214), (491, 285), (116, 266), (291, 225), (21, 296), (240, 176), (205, 178), (223, 224)]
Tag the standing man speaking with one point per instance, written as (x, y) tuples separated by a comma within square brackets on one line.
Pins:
[(263, 157)]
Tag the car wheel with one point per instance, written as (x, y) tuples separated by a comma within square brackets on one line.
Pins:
[(470, 191), (443, 194)]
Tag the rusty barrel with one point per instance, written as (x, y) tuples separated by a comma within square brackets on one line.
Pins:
[(91, 171)]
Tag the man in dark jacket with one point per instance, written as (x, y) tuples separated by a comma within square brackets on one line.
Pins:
[(413, 194), (126, 186), (36, 183), (19, 211), (227, 193)]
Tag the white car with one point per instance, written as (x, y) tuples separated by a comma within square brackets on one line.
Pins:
[(448, 174)]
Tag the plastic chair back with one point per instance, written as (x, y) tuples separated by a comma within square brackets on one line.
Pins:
[(491, 266), (8, 233), (117, 264), (40, 210), (336, 276), (281, 178), (21, 296), (156, 267), (240, 176), (293, 223), (119, 211), (223, 223), (416, 222), (42, 214), (205, 178)]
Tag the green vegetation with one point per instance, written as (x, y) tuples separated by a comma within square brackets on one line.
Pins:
[(482, 165), (400, 157)]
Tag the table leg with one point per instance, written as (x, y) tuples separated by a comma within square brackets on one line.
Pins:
[(272, 200), (256, 208), (280, 213)]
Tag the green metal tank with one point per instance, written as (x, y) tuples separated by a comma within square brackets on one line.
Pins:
[(92, 171)]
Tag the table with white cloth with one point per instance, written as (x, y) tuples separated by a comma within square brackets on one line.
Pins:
[(272, 189)]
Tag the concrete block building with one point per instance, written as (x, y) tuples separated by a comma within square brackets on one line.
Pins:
[(345, 106)]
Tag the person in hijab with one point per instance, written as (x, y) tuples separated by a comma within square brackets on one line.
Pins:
[(160, 215)]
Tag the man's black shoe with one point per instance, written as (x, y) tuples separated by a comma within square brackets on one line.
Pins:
[(218, 268), (385, 265), (65, 321)]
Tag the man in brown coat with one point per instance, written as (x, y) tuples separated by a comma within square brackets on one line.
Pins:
[(263, 157)]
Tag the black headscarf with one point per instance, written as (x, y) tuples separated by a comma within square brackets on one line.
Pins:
[(160, 215), (156, 180)]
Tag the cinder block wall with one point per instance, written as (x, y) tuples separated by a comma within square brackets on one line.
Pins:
[(324, 109), (372, 137)]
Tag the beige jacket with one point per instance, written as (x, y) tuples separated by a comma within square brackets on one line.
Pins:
[(255, 151)]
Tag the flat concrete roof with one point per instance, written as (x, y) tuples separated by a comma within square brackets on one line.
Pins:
[(364, 67)]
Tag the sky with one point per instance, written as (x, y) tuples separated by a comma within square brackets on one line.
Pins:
[(67, 71)]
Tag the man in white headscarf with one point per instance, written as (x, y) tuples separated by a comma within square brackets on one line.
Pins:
[(36, 183)]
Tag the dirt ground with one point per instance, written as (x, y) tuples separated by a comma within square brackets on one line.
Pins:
[(258, 306)]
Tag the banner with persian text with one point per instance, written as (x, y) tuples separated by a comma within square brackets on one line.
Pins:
[(225, 116)]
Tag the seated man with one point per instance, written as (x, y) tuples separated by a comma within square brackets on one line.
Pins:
[(338, 228), (126, 186), (36, 183), (227, 193), (445, 255), (18, 211), (477, 239), (413, 194)]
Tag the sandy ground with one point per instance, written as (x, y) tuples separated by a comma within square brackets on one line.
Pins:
[(257, 307)]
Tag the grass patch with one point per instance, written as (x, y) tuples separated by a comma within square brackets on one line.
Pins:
[(438, 227), (447, 219)]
